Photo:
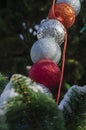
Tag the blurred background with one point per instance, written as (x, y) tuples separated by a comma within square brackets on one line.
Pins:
[(19, 20)]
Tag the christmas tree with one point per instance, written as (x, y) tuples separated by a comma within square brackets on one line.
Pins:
[(37, 101), (27, 105)]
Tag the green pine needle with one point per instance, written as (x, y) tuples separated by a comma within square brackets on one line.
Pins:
[(3, 82), (31, 110), (40, 113), (76, 118)]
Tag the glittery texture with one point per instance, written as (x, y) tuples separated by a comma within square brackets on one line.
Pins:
[(46, 72), (45, 48), (51, 28), (64, 13), (75, 4)]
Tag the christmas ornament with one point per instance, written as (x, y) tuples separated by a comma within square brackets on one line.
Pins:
[(64, 13), (46, 72), (75, 4), (45, 48), (51, 28), (23, 103)]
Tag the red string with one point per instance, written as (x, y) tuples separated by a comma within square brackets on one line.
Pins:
[(63, 64), (53, 10), (53, 13), (63, 56)]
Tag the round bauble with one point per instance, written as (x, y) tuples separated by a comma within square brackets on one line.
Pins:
[(75, 4), (51, 28), (64, 13), (46, 72), (45, 48)]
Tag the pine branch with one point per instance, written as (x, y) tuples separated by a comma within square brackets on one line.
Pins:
[(30, 110), (74, 108), (3, 82)]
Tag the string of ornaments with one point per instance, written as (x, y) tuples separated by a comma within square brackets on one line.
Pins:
[(46, 51)]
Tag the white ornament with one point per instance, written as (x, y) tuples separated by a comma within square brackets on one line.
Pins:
[(51, 28), (45, 48), (75, 4)]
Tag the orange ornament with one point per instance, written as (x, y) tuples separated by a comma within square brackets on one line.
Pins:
[(64, 13)]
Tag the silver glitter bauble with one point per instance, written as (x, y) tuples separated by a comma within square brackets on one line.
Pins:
[(75, 4), (45, 48), (51, 28)]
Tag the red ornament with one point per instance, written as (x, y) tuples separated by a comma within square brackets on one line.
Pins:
[(46, 72), (64, 13)]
